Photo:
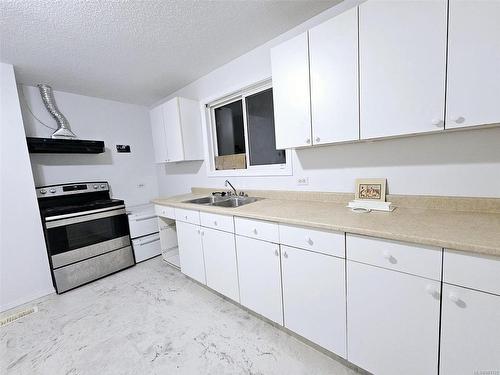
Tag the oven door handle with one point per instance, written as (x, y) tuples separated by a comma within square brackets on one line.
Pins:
[(81, 213), (86, 217)]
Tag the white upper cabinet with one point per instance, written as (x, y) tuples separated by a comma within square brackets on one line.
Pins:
[(292, 105), (158, 131), (176, 128), (473, 63), (333, 49), (402, 52), (174, 139)]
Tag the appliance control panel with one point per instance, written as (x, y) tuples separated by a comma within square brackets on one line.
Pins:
[(68, 189)]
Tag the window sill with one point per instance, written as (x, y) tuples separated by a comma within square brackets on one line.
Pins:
[(253, 172)]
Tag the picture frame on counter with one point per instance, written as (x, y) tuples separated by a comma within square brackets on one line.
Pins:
[(370, 194), (371, 189)]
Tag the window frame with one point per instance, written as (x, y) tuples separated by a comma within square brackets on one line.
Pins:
[(283, 169)]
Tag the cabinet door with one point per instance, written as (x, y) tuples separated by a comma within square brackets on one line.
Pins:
[(473, 63), (333, 49), (190, 119), (191, 251), (392, 321), (259, 275), (220, 262), (173, 130), (158, 131), (315, 306), (470, 339), (402, 52), (292, 112)]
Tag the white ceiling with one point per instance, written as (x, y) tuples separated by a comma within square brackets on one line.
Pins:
[(136, 51)]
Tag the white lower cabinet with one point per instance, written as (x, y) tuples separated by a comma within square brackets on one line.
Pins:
[(259, 274), (220, 262), (392, 321), (314, 297), (392, 291), (470, 332), (191, 251)]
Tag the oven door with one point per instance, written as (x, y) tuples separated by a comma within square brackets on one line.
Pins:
[(75, 237)]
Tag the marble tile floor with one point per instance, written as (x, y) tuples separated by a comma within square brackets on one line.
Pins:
[(151, 319)]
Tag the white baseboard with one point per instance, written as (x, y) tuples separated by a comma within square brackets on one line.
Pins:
[(26, 299)]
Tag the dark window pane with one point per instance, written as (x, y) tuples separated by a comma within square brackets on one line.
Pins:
[(230, 129), (260, 124)]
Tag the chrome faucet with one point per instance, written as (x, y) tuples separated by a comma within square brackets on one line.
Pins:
[(228, 183)]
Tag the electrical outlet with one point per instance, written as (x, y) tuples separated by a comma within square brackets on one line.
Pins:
[(140, 186), (303, 181)]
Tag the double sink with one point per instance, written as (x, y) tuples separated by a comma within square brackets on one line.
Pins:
[(226, 201)]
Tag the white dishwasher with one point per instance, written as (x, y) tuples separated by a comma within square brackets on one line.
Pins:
[(143, 223)]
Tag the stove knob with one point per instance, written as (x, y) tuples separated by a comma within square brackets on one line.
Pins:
[(103, 186), (95, 186), (52, 190), (43, 191)]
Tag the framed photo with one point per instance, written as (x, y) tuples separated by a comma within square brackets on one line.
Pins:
[(370, 189)]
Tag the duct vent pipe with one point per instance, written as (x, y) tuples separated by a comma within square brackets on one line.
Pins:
[(63, 128)]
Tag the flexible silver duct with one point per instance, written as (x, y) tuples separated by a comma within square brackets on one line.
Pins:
[(63, 128)]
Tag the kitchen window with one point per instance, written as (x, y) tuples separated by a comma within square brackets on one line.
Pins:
[(241, 135)]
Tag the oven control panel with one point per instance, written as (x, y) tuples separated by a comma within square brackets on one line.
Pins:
[(68, 189)]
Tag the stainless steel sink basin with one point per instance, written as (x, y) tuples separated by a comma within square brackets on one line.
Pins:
[(235, 201), (223, 201), (207, 200)]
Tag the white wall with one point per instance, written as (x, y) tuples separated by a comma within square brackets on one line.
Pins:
[(464, 163), (24, 268), (93, 118)]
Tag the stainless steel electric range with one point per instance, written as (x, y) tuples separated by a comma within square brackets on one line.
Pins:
[(86, 232)]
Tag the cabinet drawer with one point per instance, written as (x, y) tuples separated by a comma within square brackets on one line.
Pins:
[(399, 256), (188, 216), (215, 221), (165, 211), (472, 271), (142, 225), (322, 241), (262, 230), (146, 247)]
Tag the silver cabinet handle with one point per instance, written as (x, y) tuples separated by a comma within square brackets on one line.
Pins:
[(285, 255), (434, 292), (318, 139), (437, 122), (308, 140), (277, 253), (141, 218), (149, 241)]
